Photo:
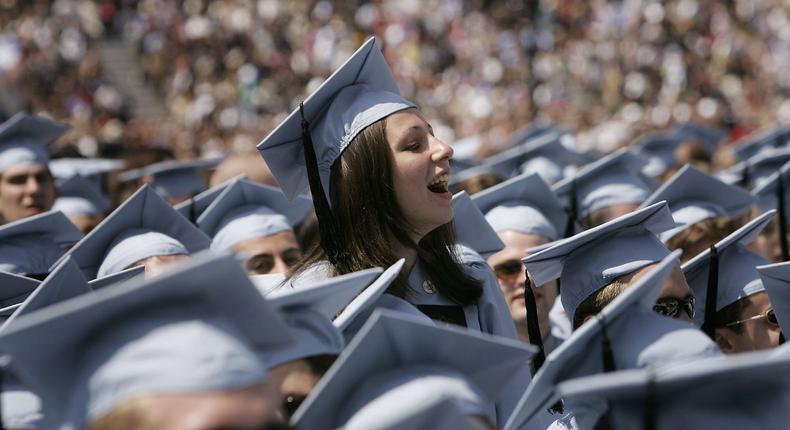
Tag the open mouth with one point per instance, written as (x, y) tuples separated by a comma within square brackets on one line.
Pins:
[(439, 184)]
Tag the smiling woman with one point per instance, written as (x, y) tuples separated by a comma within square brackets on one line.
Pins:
[(379, 181)]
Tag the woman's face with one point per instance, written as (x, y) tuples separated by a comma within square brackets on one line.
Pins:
[(421, 171)]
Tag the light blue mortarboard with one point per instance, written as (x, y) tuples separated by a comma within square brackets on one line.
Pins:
[(173, 178), (757, 170), (614, 179), (524, 204), (465, 150), (639, 338), (395, 356), (745, 392), (247, 210), (594, 258), (14, 289), (193, 207), (89, 168), (144, 338), (359, 93), (421, 410), (31, 246), (659, 149), (753, 144), (24, 139), (708, 137), (693, 196), (736, 275), (544, 154), (360, 308), (308, 311), (472, 229), (776, 281), (64, 282), (767, 193), (143, 226), (78, 195)]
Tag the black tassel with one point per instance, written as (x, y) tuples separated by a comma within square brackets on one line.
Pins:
[(606, 348), (780, 189), (651, 405), (327, 229), (711, 293), (570, 227), (2, 374), (781, 338), (745, 177), (533, 326), (192, 211)]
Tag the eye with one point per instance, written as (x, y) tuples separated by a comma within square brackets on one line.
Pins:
[(17, 179), (291, 257), (260, 264)]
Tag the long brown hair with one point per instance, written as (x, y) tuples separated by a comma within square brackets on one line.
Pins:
[(368, 220)]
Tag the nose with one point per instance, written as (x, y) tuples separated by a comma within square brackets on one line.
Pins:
[(33, 185), (440, 150), (280, 266)]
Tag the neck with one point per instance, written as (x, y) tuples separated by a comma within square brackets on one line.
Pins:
[(407, 252)]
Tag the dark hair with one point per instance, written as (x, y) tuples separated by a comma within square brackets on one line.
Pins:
[(701, 235), (369, 219), (731, 313), (319, 364)]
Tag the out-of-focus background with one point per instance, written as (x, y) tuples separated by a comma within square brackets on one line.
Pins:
[(195, 78)]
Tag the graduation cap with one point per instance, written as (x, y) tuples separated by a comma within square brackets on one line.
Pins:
[(626, 334), (776, 281), (31, 245), (708, 137), (21, 408), (143, 226), (173, 178), (773, 194), (246, 210), (308, 311), (614, 179), (359, 309), (24, 139), (544, 154), (744, 392), (395, 356), (594, 258), (472, 229), (89, 168), (64, 282), (659, 149), (465, 150), (144, 338), (524, 204), (303, 148), (193, 207), (758, 169), (726, 272), (694, 196), (116, 278), (423, 410), (78, 195), (755, 143), (14, 289)]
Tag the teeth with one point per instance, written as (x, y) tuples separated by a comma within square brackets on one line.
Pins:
[(443, 178)]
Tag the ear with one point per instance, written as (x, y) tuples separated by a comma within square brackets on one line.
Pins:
[(723, 338)]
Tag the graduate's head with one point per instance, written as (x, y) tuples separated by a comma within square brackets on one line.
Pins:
[(748, 324), (256, 222), (377, 174), (26, 184), (173, 352)]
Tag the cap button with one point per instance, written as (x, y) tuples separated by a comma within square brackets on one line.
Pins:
[(428, 286)]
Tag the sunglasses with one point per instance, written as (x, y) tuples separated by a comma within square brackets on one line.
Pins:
[(671, 306), (768, 315), (508, 271), (291, 403)]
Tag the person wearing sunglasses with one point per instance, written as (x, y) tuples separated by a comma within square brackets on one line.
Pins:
[(520, 210), (744, 319)]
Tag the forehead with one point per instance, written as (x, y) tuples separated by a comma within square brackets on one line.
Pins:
[(278, 242), (27, 170), (403, 120)]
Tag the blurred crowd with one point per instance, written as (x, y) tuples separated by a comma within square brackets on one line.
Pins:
[(228, 70)]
